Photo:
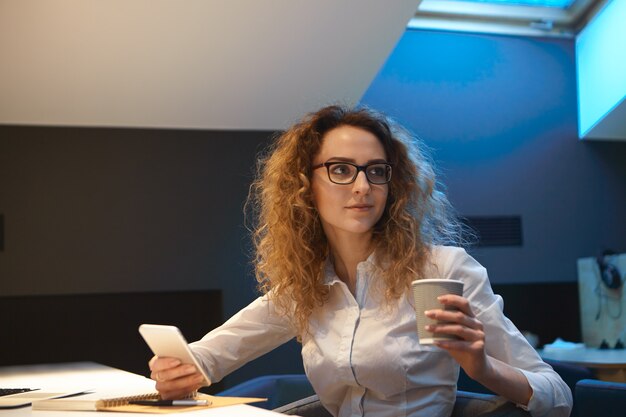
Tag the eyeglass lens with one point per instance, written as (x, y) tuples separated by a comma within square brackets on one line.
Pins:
[(345, 173)]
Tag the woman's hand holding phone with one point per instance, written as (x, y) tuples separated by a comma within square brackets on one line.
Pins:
[(174, 366), (174, 380)]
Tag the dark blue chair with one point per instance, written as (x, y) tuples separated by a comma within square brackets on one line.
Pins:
[(278, 389), (294, 395), (594, 398), (570, 373), (468, 404)]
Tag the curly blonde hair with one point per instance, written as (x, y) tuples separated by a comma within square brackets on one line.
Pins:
[(290, 244)]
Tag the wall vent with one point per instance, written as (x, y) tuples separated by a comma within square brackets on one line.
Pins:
[(496, 230)]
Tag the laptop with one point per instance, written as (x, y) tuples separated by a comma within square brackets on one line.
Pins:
[(22, 397)]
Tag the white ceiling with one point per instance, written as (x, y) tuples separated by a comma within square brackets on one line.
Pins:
[(207, 64)]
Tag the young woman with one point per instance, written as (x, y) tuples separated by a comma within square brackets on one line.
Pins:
[(348, 214)]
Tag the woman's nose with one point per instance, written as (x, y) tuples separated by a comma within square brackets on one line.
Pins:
[(361, 183)]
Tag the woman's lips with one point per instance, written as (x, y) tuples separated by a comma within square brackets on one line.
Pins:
[(360, 207)]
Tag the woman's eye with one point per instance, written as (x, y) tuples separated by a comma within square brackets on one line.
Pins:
[(377, 171), (340, 169)]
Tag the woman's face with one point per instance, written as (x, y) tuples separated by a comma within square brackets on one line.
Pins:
[(351, 208)]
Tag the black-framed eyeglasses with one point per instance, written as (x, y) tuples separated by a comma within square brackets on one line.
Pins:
[(340, 172)]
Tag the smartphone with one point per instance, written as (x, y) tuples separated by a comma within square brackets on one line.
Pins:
[(168, 341)]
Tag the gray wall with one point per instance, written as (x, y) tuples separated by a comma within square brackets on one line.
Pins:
[(129, 211), (124, 210)]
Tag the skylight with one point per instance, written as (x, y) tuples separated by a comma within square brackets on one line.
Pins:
[(561, 4), (516, 17)]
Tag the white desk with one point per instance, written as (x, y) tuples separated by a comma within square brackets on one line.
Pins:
[(90, 375), (607, 364)]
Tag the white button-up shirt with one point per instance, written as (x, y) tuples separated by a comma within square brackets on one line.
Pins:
[(365, 359)]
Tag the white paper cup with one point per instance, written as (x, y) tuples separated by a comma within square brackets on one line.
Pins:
[(425, 293)]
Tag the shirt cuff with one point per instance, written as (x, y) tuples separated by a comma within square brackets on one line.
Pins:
[(541, 399)]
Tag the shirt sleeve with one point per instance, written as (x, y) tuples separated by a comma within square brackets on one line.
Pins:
[(551, 395), (252, 332)]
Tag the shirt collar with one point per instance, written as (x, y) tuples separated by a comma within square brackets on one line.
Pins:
[(330, 276)]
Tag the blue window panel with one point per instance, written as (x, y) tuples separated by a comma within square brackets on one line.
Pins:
[(562, 4)]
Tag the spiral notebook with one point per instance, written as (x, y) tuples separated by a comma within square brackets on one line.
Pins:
[(100, 402)]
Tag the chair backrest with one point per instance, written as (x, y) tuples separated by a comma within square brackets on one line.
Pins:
[(600, 398), (294, 395), (473, 404), (306, 407), (570, 373), (278, 389), (468, 404)]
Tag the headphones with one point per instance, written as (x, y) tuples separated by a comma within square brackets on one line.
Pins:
[(609, 274)]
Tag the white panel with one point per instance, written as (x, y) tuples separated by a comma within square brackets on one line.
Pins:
[(601, 71), (612, 126)]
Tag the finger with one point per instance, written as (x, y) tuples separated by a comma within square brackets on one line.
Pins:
[(180, 387), (157, 364), (168, 374), (457, 301), (176, 387), (178, 394), (151, 362), (454, 316), (459, 345), (462, 332)]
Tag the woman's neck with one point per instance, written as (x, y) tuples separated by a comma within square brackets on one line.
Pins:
[(347, 252)]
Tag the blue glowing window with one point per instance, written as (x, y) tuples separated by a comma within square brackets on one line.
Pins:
[(562, 4)]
